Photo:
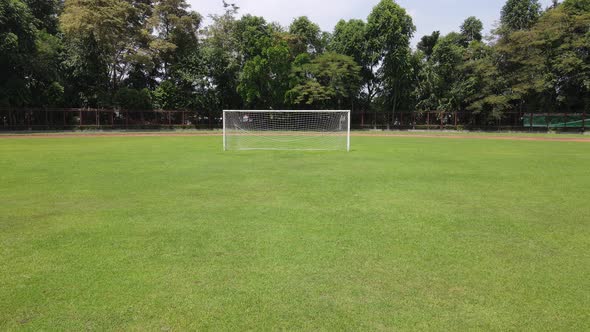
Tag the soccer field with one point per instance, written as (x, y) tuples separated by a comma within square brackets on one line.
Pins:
[(171, 233)]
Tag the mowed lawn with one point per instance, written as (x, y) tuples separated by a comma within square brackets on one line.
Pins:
[(171, 233)]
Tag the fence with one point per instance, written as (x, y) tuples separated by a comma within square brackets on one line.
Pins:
[(86, 118), (12, 119), (510, 121)]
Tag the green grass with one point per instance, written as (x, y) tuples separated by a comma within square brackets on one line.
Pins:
[(170, 233), (474, 134)]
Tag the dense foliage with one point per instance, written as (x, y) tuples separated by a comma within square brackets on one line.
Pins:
[(156, 54)]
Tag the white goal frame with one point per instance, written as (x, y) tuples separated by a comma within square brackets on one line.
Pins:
[(316, 132)]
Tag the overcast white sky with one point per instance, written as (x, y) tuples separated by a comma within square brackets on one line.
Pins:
[(428, 15)]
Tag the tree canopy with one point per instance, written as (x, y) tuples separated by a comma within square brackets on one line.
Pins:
[(158, 54)]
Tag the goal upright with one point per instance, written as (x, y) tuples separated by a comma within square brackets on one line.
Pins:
[(286, 130)]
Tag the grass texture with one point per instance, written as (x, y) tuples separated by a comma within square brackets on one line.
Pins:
[(171, 233)]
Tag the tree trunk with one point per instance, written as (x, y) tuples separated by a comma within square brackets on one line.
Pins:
[(369, 97), (394, 109)]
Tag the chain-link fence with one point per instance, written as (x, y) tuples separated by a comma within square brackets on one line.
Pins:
[(39, 119)]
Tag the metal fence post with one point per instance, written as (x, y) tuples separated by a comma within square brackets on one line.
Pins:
[(224, 139)]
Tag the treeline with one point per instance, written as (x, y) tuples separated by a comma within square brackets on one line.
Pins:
[(156, 54)]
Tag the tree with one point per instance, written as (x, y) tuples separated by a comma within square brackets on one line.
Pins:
[(177, 54), (543, 68), (426, 92), (176, 34), (447, 58), (389, 31), (350, 38), (325, 81), (264, 79), (46, 14), (549, 64), (454, 78), (576, 7), (486, 87), (253, 35), (112, 25), (154, 53), (86, 73), (264, 61), (17, 49), (54, 95), (221, 64), (427, 43), (168, 96), (308, 36), (471, 29), (46, 67), (134, 99), (519, 15)]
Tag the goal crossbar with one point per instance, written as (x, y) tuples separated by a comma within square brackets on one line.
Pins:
[(286, 111), (312, 130)]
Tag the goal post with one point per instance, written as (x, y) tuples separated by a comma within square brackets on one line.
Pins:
[(286, 130)]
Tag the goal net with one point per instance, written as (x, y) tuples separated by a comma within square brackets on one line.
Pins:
[(286, 130)]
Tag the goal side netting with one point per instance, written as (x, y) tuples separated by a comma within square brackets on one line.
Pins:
[(286, 130)]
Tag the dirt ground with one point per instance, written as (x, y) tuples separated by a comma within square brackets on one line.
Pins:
[(208, 134)]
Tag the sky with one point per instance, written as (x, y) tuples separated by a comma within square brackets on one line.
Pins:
[(428, 15)]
